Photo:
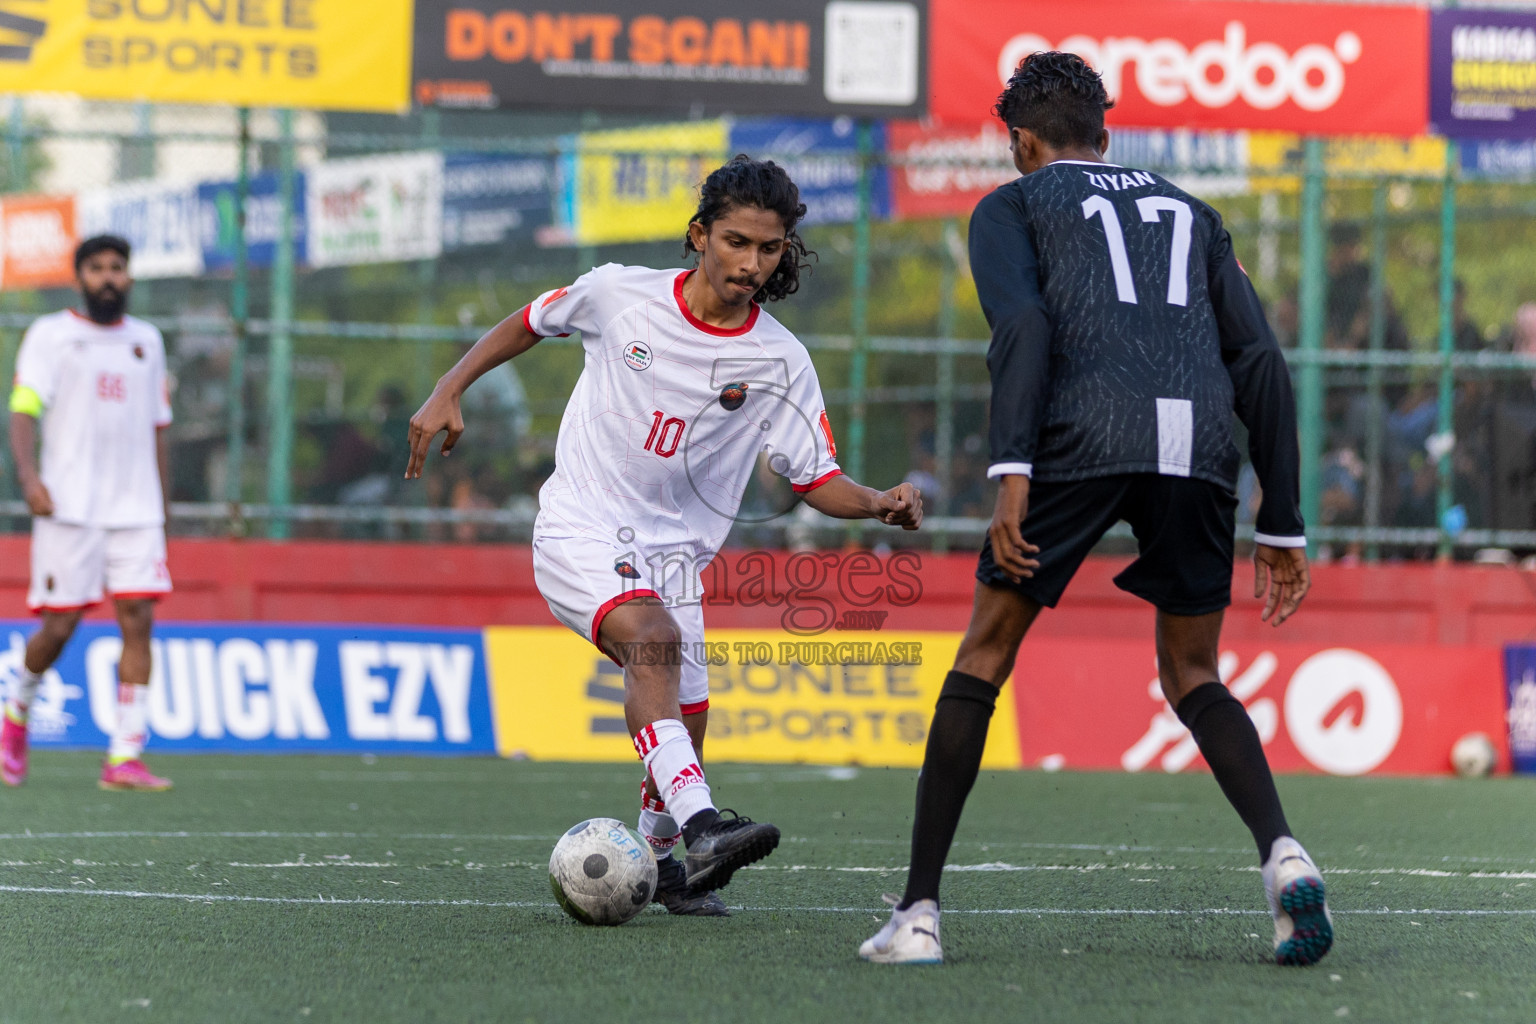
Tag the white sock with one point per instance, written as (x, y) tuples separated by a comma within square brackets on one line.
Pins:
[(132, 714), (668, 754), (659, 828), (22, 694)]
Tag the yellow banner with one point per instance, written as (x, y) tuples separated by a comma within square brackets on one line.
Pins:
[(772, 697), (325, 54), (642, 184), (1284, 154)]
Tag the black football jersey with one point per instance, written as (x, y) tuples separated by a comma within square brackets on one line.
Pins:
[(1125, 334)]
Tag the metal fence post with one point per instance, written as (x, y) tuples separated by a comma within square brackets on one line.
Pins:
[(280, 342), (944, 411), (1446, 420), (858, 366), (1312, 311), (239, 309), (1378, 336)]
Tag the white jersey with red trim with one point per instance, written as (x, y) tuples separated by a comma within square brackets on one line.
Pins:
[(104, 392), (669, 417)]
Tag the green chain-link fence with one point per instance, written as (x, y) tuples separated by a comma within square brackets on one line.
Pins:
[(1405, 301)]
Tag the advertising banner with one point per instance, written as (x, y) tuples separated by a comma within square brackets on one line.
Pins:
[(492, 200), (641, 184), (1498, 158), (37, 241), (219, 227), (327, 54), (160, 222), (841, 698), (1340, 711), (806, 57), (1483, 74), (1520, 676), (374, 209), (259, 688), (1317, 68), (944, 171), (822, 159), (1284, 153)]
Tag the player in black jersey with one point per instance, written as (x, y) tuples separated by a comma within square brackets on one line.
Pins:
[(1125, 334)]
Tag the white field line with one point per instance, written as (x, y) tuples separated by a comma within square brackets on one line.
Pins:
[(320, 900), (1105, 848), (344, 860)]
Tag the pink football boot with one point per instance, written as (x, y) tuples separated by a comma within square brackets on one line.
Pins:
[(131, 775)]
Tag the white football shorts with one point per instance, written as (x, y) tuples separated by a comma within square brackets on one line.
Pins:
[(584, 578), (74, 567)]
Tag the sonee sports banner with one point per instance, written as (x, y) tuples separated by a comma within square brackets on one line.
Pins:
[(788, 57)]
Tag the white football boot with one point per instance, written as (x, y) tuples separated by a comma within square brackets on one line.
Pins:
[(911, 936), (1294, 888)]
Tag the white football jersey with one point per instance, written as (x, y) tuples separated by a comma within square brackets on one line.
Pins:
[(104, 392), (665, 426)]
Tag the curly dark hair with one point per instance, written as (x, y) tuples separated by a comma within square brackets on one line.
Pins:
[(1058, 97), (767, 186)]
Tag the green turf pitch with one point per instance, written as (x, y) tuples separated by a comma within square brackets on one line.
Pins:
[(334, 889)]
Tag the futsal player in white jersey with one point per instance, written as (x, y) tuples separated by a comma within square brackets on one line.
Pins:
[(97, 384), (687, 382)]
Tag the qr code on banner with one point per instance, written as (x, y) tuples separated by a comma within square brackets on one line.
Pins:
[(872, 53)]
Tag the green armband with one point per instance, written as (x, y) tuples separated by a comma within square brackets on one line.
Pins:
[(27, 402)]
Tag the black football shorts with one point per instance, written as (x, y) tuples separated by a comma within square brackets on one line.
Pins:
[(1183, 529)]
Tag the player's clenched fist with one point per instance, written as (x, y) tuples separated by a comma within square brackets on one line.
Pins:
[(39, 501), (902, 506), (438, 413)]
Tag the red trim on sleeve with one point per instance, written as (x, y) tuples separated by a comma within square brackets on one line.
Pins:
[(694, 709), (802, 488), (719, 332), (527, 323), (608, 606)]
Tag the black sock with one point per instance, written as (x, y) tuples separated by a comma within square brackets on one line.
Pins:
[(1230, 745), (955, 742), (698, 823)]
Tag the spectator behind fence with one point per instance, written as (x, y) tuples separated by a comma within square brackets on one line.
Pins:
[(1347, 323)]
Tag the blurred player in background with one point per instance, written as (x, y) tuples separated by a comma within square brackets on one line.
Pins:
[(687, 382), (97, 382), (1124, 335)]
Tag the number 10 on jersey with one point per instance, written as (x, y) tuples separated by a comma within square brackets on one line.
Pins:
[(665, 434)]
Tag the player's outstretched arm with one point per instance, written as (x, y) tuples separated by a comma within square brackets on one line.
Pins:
[(1288, 577), (841, 498), (440, 412)]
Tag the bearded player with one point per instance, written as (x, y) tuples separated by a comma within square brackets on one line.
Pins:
[(97, 384), (687, 383)]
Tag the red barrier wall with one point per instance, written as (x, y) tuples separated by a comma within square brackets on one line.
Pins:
[(475, 585)]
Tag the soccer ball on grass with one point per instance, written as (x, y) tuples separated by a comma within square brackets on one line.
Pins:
[(602, 872), (1474, 755)]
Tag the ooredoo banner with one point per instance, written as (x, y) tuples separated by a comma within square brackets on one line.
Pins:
[(1335, 710), (253, 688), (1315, 68), (806, 57)]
